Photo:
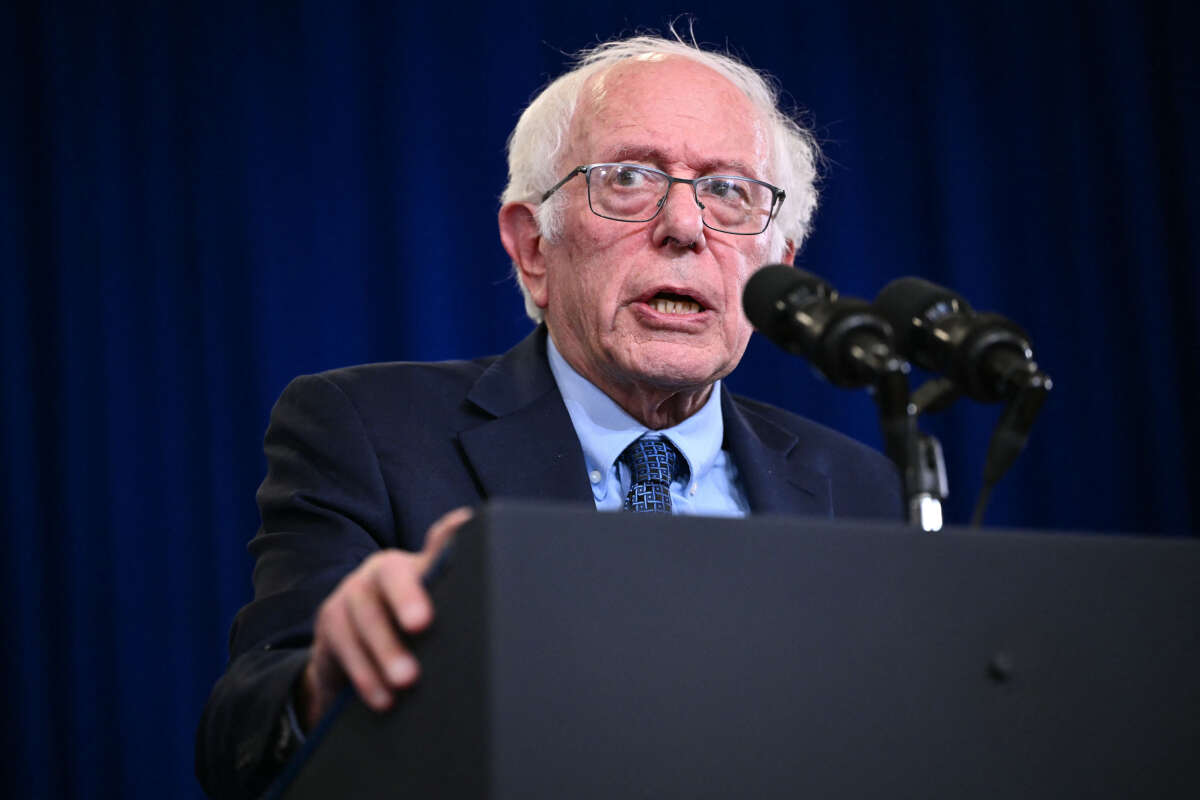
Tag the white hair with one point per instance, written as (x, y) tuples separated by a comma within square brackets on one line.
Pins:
[(536, 144)]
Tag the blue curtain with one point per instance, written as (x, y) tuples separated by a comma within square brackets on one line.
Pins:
[(202, 200)]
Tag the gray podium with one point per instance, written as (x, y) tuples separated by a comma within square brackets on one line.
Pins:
[(584, 655)]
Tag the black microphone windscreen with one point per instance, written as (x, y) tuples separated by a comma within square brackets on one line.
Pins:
[(763, 291), (906, 299)]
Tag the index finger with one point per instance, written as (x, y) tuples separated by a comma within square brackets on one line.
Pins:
[(439, 537)]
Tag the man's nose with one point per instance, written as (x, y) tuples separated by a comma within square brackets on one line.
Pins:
[(681, 219)]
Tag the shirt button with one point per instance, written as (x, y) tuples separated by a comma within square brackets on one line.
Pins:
[(692, 491), (595, 476)]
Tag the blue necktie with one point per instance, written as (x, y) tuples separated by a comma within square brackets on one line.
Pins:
[(653, 463)]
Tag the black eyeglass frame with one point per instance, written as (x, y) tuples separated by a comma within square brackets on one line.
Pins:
[(777, 195)]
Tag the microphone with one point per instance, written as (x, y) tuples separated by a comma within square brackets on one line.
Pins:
[(987, 356), (848, 342)]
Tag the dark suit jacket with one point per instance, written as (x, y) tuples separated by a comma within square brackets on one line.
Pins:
[(368, 457)]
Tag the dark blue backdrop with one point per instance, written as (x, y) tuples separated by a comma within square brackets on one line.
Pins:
[(201, 200)]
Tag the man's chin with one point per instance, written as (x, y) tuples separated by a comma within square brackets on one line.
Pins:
[(678, 369)]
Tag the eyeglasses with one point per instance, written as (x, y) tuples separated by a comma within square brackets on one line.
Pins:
[(632, 193)]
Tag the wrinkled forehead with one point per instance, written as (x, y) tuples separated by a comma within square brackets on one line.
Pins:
[(689, 113)]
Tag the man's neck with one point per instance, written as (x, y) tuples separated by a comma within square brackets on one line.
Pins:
[(657, 408)]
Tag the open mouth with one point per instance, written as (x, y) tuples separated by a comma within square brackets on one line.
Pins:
[(671, 303)]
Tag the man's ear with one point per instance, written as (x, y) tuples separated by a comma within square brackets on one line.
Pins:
[(789, 252), (521, 238)]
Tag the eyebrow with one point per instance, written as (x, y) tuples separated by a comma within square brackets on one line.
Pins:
[(648, 154)]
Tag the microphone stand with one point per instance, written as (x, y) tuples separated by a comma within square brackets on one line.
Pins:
[(917, 455)]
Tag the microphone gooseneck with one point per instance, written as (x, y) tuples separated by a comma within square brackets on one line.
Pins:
[(855, 344), (984, 355), (851, 345)]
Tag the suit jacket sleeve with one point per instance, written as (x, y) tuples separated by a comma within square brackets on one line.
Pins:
[(324, 509)]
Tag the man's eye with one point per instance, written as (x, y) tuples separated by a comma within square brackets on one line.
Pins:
[(627, 178), (723, 188)]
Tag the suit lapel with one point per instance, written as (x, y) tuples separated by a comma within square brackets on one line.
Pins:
[(529, 449), (774, 476)]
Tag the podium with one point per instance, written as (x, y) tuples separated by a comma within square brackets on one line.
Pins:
[(586, 655)]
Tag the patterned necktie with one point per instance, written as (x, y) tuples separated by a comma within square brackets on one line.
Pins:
[(653, 463)]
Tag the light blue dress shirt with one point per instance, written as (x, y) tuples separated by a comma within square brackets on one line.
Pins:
[(708, 485)]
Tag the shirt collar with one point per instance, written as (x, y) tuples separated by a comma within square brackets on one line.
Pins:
[(605, 429)]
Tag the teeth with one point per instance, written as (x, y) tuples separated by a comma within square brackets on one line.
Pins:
[(664, 306)]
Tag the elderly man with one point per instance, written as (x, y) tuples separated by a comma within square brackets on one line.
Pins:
[(645, 187)]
